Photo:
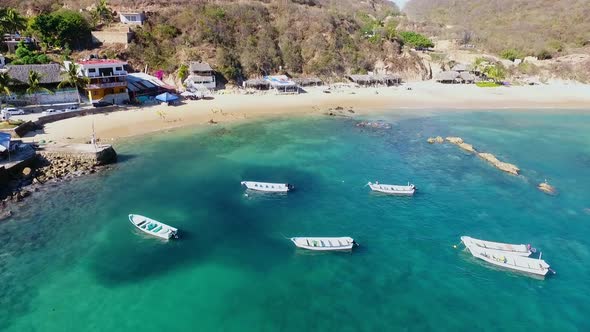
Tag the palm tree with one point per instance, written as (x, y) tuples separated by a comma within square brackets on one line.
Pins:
[(72, 79), (34, 84), (5, 81), (12, 21)]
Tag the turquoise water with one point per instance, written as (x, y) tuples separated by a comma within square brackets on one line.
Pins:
[(72, 262)]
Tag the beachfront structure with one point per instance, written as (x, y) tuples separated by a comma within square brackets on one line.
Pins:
[(454, 77), (132, 17), (143, 87), (50, 75), (256, 83), (107, 79), (375, 80), (282, 84), (201, 73), (308, 81)]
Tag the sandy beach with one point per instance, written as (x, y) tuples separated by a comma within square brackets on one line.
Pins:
[(237, 107)]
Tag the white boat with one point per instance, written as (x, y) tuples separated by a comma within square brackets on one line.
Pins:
[(535, 266), (390, 189), (153, 227), (324, 243), (501, 248), (268, 187)]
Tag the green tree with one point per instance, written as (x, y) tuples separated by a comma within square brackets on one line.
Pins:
[(34, 83), (72, 79), (102, 12), (5, 82), (11, 21), (228, 64), (182, 72), (25, 55), (415, 40), (62, 27)]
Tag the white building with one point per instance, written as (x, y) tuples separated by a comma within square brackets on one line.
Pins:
[(107, 79), (201, 73), (132, 18)]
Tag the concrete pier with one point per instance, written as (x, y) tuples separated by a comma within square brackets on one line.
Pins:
[(100, 154)]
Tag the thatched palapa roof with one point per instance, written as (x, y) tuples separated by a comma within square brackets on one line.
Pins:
[(50, 73), (307, 81), (372, 79), (256, 82), (199, 66)]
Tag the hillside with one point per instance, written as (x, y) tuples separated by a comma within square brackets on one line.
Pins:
[(531, 27), (247, 38)]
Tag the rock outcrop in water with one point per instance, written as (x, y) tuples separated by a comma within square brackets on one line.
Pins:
[(547, 188), (436, 139), (458, 141), (506, 167)]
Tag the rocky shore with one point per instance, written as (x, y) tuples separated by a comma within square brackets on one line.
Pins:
[(54, 166)]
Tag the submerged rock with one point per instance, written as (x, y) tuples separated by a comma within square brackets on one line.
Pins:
[(5, 215), (547, 188), (506, 167)]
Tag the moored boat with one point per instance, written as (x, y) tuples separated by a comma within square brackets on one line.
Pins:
[(391, 189), (501, 248), (324, 243), (268, 187), (153, 227), (535, 266)]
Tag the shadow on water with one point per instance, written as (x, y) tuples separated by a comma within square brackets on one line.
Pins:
[(231, 224), (125, 157)]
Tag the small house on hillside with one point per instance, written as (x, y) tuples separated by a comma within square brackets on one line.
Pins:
[(12, 41), (132, 17), (201, 73)]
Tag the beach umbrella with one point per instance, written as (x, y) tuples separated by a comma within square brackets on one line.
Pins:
[(167, 97), (4, 141)]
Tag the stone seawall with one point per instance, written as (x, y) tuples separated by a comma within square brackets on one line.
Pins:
[(66, 115), (86, 153)]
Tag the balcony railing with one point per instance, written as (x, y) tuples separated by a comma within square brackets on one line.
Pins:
[(113, 74), (106, 85)]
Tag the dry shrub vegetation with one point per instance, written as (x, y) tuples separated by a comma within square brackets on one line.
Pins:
[(531, 27), (247, 38)]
